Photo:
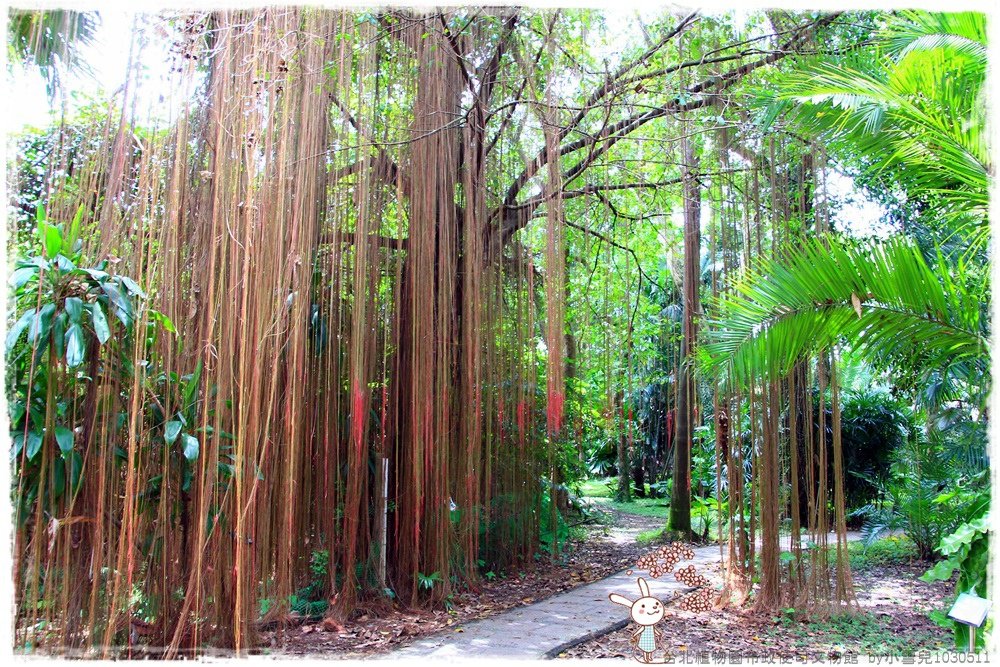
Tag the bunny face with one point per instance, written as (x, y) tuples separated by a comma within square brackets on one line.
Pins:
[(647, 610)]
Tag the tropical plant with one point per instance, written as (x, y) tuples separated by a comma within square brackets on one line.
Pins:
[(967, 551), (923, 497), (880, 298), (911, 118), (428, 581), (173, 415), (63, 315), (602, 459), (916, 110), (874, 426)]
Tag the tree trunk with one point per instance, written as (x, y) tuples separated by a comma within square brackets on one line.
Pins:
[(680, 502), (561, 492), (639, 475)]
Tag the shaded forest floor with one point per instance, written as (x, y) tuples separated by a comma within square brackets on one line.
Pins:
[(603, 545), (892, 620)]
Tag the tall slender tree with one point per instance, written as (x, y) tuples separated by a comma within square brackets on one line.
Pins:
[(680, 501)]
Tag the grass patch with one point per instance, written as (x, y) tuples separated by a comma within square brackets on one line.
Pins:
[(654, 507), (893, 550), (597, 487), (861, 632), (651, 536), (602, 491)]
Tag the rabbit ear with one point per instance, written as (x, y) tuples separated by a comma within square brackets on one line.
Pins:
[(620, 599), (643, 587)]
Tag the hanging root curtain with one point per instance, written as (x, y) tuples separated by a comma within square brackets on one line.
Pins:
[(335, 304)]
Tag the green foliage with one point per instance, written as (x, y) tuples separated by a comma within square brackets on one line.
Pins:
[(966, 551), (64, 316), (709, 514), (309, 601), (915, 110), (882, 299), (925, 497), (51, 41), (74, 144), (602, 491), (548, 536), (874, 425), (653, 536), (604, 457), (652, 507), (426, 582)]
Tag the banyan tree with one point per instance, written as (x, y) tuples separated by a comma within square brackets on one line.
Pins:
[(327, 342)]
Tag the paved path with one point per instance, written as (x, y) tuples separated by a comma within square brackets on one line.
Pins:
[(546, 628)]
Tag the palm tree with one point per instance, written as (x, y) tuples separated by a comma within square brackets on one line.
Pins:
[(680, 499), (917, 110), (916, 113), (51, 41)]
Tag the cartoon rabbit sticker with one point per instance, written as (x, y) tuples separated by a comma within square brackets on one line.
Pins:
[(647, 611)]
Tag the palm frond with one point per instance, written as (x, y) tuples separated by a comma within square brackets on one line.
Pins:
[(918, 108), (881, 299), (960, 32), (51, 41)]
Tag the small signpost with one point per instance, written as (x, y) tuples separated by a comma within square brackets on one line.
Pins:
[(970, 609), (383, 522)]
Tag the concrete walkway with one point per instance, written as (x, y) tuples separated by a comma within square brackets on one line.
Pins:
[(546, 628)]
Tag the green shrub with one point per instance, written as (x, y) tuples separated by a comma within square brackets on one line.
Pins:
[(925, 497)]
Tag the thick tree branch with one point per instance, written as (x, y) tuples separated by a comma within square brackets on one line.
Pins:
[(610, 187), (592, 102), (517, 96), (489, 73), (512, 217), (456, 50), (386, 170), (349, 238)]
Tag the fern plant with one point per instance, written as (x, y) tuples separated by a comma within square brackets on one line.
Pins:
[(924, 498)]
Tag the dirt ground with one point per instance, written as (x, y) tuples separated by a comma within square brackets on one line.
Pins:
[(892, 620)]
